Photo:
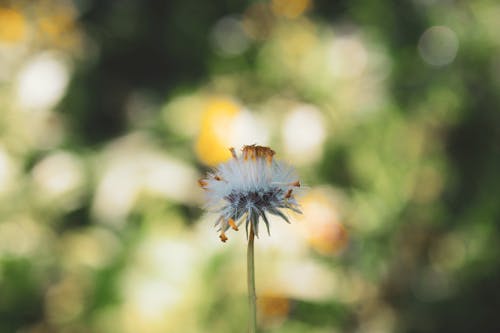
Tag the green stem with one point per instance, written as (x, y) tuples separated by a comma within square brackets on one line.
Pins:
[(251, 283)]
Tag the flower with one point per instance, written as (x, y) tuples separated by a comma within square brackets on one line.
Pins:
[(249, 186)]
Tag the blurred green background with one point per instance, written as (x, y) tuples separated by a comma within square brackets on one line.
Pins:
[(111, 110)]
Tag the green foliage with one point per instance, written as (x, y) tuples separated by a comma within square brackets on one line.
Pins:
[(388, 108)]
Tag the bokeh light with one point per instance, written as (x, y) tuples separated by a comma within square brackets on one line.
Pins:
[(42, 82), (110, 111), (438, 46), (290, 9), (304, 134), (322, 221), (13, 27), (347, 57), (226, 124), (228, 37)]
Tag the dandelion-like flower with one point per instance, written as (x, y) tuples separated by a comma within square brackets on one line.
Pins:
[(248, 187)]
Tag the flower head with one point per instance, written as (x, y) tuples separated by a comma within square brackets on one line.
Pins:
[(248, 187)]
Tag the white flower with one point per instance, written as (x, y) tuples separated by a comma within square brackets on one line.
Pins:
[(248, 187)]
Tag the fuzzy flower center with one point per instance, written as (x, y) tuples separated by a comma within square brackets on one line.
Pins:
[(248, 188), (253, 198)]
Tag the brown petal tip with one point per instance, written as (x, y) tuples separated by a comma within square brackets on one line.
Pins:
[(233, 224), (223, 237), (203, 183)]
